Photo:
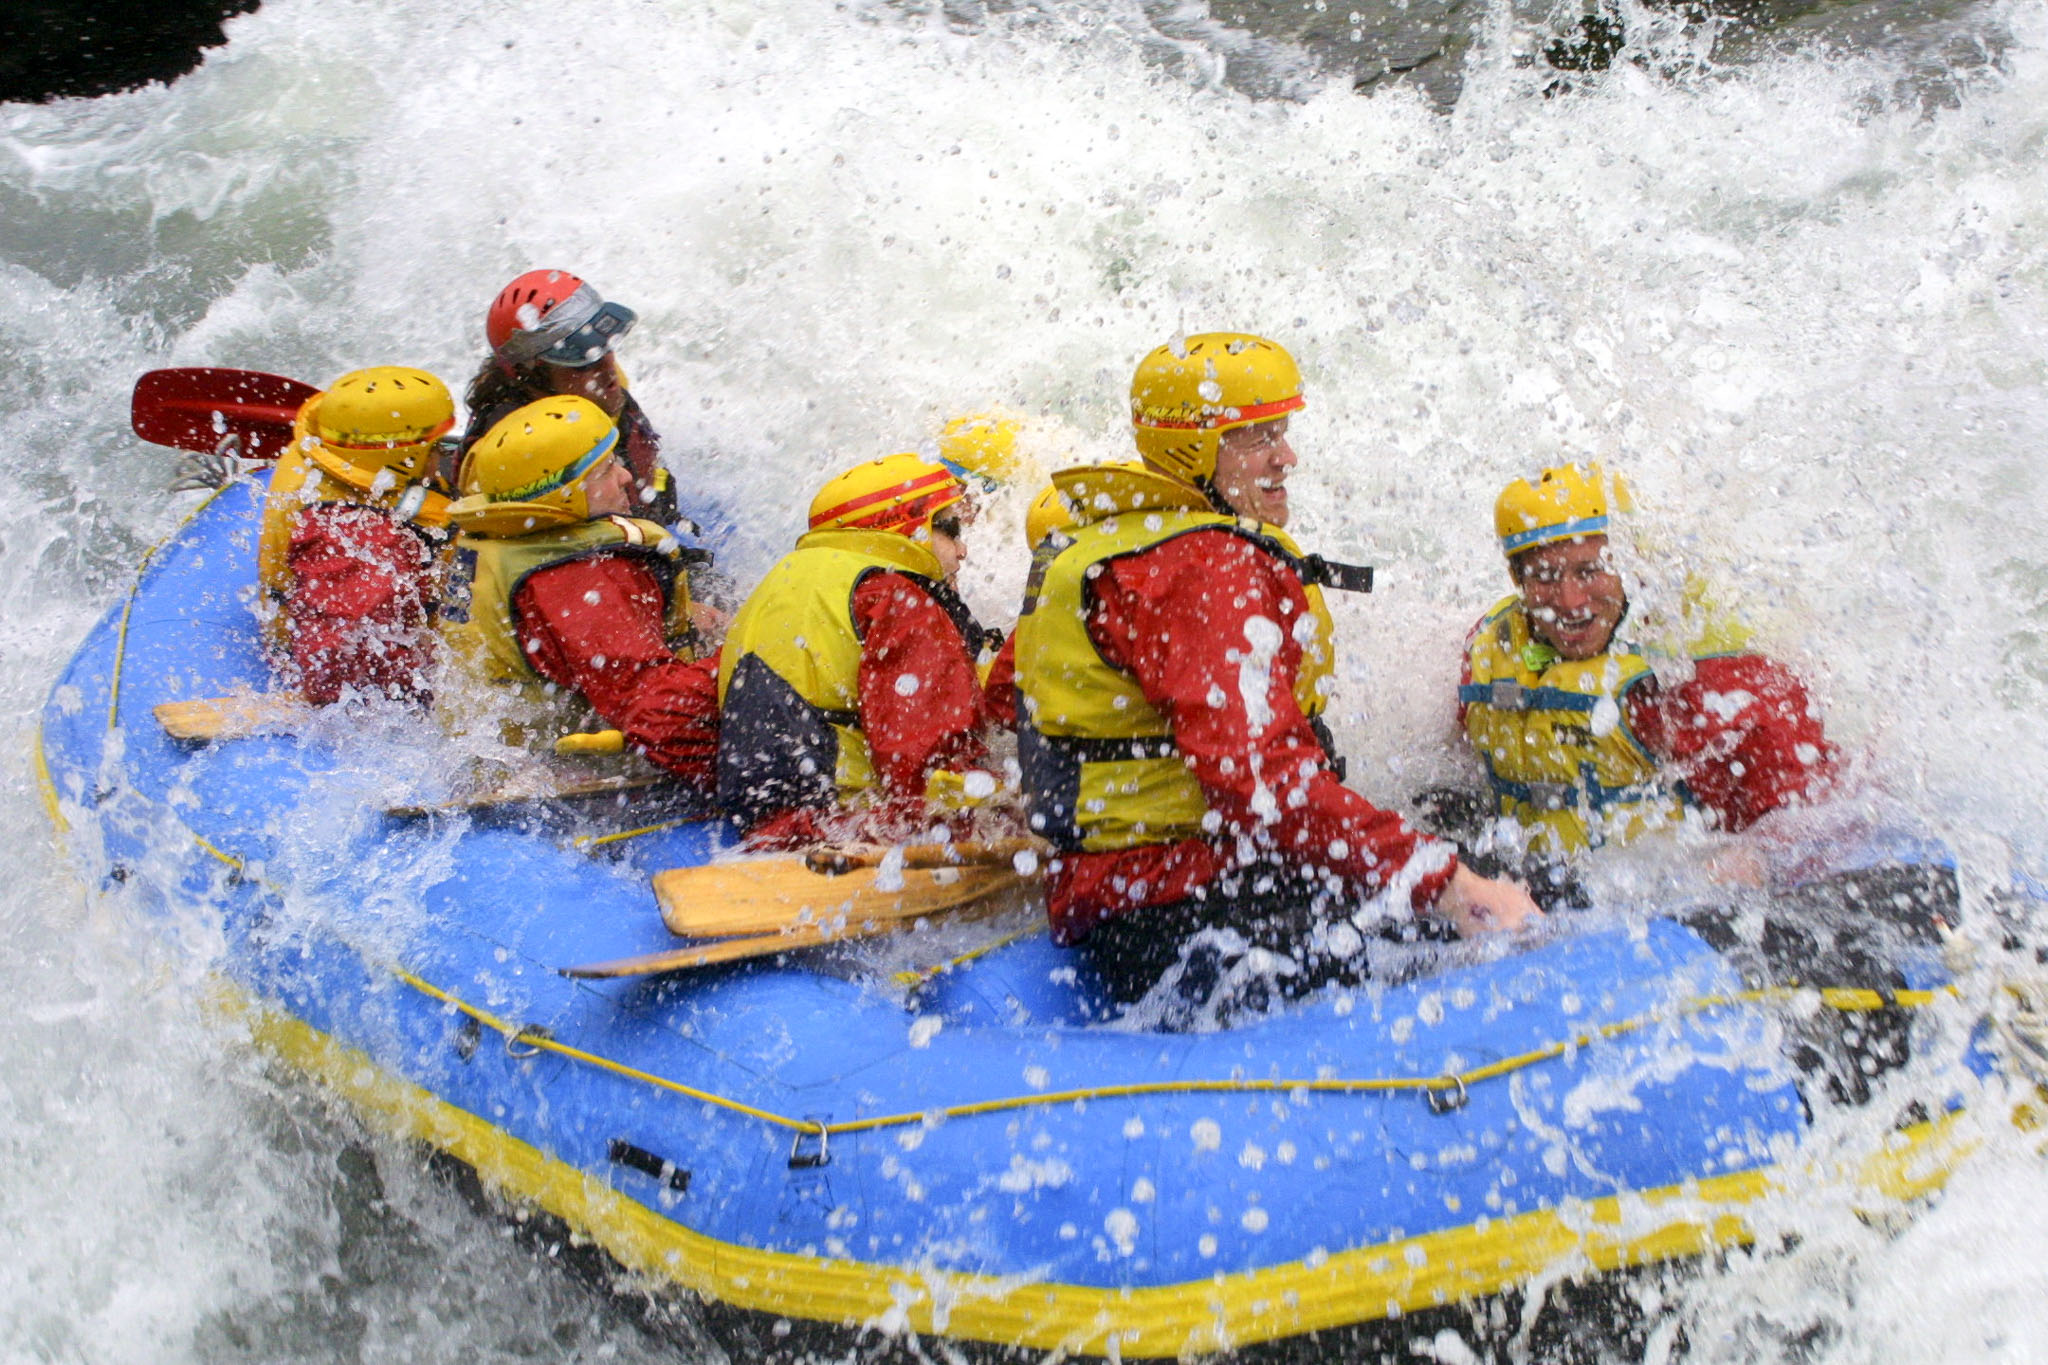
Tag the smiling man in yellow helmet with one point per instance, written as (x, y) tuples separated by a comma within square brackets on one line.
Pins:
[(849, 685), (350, 553), (1174, 660), (1582, 744), (560, 585)]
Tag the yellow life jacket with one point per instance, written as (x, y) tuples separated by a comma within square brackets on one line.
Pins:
[(1100, 763), (789, 731), (476, 613), (1555, 737), (309, 474)]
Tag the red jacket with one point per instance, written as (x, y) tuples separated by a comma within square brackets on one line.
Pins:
[(1173, 617), (911, 730), (597, 625), (1743, 734), (999, 690), (356, 613)]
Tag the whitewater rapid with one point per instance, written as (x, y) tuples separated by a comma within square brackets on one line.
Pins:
[(1802, 301)]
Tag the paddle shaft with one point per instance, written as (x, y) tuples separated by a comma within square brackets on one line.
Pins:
[(971, 853), (514, 793)]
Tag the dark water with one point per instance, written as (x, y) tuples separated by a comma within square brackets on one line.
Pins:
[(1286, 48)]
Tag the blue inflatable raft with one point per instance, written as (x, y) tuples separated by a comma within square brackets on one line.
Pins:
[(983, 1159)]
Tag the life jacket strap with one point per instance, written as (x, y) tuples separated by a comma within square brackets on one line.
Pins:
[(1505, 694)]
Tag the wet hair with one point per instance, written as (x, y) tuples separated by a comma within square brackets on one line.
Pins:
[(497, 385)]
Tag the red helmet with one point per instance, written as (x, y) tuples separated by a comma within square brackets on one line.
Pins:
[(554, 316)]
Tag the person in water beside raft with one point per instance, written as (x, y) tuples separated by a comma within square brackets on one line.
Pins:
[(354, 535), (850, 701), (1173, 659), (559, 589), (1583, 741), (552, 334)]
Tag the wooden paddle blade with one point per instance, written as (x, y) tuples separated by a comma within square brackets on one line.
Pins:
[(206, 719), (191, 409), (767, 945), (770, 895)]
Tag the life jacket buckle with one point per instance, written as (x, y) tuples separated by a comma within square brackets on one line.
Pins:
[(1507, 696)]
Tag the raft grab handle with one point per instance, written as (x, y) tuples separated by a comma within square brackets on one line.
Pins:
[(649, 1163), (801, 1160)]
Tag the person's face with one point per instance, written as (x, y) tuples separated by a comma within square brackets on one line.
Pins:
[(608, 489), (599, 383), (1252, 465), (1573, 595), (946, 542)]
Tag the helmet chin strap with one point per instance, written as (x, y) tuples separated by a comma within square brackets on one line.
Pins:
[(1206, 486)]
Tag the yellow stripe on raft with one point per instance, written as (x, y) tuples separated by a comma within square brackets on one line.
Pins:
[(1339, 1290), (47, 786)]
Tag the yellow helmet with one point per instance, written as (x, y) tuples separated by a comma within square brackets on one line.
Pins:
[(898, 493), (1186, 394), (540, 457), (984, 445), (386, 417), (1563, 502), (1049, 512)]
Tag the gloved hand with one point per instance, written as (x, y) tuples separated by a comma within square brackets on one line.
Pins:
[(207, 469)]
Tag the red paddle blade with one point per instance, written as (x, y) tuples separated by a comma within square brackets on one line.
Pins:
[(192, 409)]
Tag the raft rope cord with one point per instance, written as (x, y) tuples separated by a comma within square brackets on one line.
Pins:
[(134, 591), (1847, 999), (530, 1039)]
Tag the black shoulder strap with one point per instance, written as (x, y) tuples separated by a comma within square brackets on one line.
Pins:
[(977, 636), (1328, 573)]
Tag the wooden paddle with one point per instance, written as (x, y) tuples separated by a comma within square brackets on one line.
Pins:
[(966, 853), (768, 895), (192, 409), (206, 719), (542, 785), (986, 900)]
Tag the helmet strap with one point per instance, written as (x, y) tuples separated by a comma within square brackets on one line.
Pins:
[(1206, 486)]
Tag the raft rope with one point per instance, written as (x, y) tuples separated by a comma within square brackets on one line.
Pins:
[(134, 591), (1444, 1092), (1450, 1086)]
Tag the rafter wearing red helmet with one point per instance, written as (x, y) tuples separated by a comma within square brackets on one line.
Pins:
[(550, 333)]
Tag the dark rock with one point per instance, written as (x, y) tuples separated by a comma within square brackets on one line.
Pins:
[(55, 48)]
